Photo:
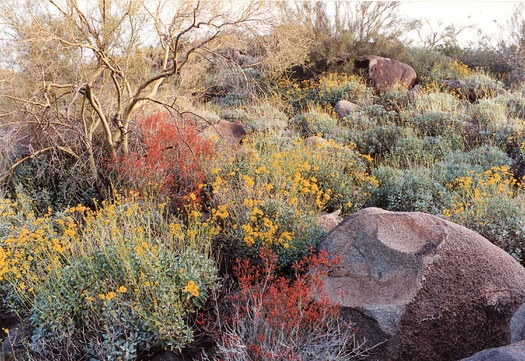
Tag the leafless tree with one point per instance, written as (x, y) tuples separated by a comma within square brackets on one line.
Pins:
[(82, 69)]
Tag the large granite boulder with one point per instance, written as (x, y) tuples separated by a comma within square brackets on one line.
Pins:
[(430, 289), (386, 73)]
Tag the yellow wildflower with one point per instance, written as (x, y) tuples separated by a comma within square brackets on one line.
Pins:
[(192, 288)]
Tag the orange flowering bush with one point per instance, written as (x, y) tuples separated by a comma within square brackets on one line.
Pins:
[(170, 160), (275, 318)]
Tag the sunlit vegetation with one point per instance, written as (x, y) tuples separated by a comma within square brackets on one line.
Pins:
[(126, 230)]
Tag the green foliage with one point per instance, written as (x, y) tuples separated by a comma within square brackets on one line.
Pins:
[(319, 124), (395, 100), (53, 182), (109, 283), (409, 190), (481, 85), (459, 164), (379, 140), (335, 87), (412, 151), (265, 118), (437, 123), (437, 102), (325, 92), (271, 190)]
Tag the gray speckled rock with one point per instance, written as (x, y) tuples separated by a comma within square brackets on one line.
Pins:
[(513, 352), (435, 291)]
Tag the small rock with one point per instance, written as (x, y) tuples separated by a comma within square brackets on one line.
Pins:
[(343, 107)]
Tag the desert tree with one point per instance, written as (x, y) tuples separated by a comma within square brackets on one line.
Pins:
[(343, 30), (81, 70)]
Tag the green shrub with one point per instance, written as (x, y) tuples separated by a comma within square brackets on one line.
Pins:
[(335, 87), (437, 102), (368, 117), (437, 123), (265, 118), (272, 189), (412, 152), (409, 190), (459, 164), (106, 284), (480, 85), (488, 114), (515, 106), (394, 100), (321, 124), (379, 140), (54, 182), (489, 203)]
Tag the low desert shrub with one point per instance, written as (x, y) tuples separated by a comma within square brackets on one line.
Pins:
[(271, 190), (265, 119), (489, 203), (275, 318), (53, 180), (434, 79), (319, 124), (378, 141), (106, 284), (325, 92), (437, 102), (394, 100), (480, 85), (459, 164), (488, 114), (334, 87), (368, 117), (437, 123), (414, 152), (409, 190)]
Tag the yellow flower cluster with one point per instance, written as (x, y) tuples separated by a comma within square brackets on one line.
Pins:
[(192, 288), (472, 193)]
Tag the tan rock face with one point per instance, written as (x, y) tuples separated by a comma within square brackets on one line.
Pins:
[(343, 107), (232, 132), (329, 221), (386, 73), (433, 289)]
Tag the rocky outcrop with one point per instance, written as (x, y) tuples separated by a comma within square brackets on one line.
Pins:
[(343, 107), (513, 352), (232, 132), (430, 289), (386, 73)]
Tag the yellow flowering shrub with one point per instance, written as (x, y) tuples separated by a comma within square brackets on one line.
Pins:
[(267, 193), (113, 281), (491, 203)]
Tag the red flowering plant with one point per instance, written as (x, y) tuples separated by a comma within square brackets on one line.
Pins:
[(277, 318), (169, 161)]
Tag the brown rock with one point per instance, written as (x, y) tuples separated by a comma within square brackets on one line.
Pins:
[(328, 221), (433, 290), (343, 107), (386, 73), (232, 132)]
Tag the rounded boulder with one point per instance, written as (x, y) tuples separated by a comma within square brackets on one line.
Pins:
[(423, 287)]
